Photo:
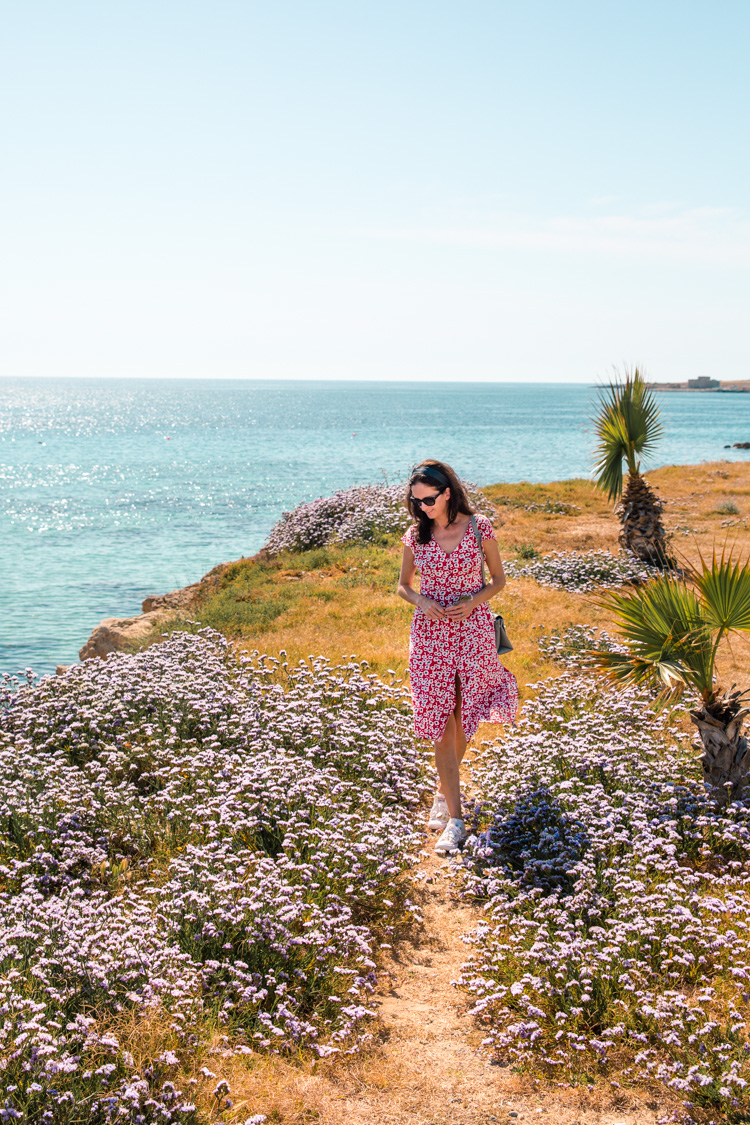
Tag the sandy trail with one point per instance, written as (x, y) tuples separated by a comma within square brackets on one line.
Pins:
[(425, 1064), (429, 1068)]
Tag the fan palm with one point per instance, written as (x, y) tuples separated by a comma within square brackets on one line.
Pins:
[(627, 426), (672, 629)]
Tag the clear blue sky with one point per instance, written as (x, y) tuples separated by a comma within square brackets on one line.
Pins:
[(526, 191)]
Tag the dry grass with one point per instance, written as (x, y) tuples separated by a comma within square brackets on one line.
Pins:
[(145, 1035), (341, 601)]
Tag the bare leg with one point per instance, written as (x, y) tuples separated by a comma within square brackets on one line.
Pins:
[(460, 737), (447, 767), (449, 752)]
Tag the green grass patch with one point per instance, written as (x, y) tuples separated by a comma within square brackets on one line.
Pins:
[(258, 596)]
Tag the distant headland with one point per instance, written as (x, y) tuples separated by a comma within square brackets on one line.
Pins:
[(703, 383)]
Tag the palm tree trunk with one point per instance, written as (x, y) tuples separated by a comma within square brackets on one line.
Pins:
[(642, 531), (723, 746)]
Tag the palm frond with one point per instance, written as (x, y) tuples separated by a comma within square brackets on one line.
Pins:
[(668, 640), (612, 446), (640, 411), (626, 423), (626, 668), (609, 457), (724, 586), (633, 668)]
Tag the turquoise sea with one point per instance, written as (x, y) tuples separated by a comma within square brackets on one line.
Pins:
[(113, 489)]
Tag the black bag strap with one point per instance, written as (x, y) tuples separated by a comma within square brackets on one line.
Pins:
[(478, 537)]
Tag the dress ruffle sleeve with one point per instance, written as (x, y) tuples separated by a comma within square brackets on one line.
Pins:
[(485, 528)]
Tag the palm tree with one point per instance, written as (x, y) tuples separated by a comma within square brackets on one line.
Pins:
[(627, 425), (672, 628)]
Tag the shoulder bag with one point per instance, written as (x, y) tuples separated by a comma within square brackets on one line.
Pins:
[(502, 640)]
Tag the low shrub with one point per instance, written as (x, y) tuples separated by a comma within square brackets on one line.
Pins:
[(582, 571), (220, 838), (546, 507), (573, 646), (615, 940), (367, 513)]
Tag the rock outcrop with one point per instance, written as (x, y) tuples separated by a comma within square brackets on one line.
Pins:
[(177, 599), (116, 633)]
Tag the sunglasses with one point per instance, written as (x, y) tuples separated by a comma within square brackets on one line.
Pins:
[(427, 500)]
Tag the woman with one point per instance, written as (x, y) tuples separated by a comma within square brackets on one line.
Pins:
[(457, 681)]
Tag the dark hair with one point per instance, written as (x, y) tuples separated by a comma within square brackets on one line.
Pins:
[(441, 476)]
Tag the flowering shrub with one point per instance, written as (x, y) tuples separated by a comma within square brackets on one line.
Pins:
[(548, 507), (582, 571), (573, 646), (366, 512), (615, 941), (220, 838)]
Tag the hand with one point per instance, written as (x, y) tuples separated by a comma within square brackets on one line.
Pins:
[(460, 611), (432, 609)]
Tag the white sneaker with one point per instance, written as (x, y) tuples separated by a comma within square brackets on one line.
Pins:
[(452, 838), (439, 815)]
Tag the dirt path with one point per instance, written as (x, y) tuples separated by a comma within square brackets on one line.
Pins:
[(434, 1045), (428, 1067)]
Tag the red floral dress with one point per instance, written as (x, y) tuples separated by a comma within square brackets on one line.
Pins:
[(440, 649)]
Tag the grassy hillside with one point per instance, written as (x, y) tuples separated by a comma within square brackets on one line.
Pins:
[(340, 600)]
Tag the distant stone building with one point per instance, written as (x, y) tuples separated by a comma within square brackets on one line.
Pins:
[(703, 383)]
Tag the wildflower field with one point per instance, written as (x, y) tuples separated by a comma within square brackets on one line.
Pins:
[(217, 837), (617, 908), (206, 852)]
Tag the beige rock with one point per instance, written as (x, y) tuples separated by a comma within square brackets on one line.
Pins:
[(173, 600), (113, 633)]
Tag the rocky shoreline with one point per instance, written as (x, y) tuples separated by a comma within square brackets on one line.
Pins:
[(113, 634)]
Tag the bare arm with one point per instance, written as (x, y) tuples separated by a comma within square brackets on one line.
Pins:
[(497, 574), (494, 586), (406, 591)]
